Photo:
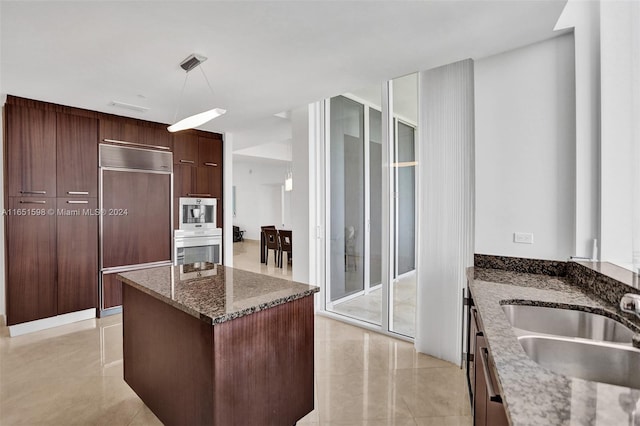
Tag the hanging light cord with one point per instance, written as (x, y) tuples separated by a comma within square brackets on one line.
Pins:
[(205, 78), (180, 98)]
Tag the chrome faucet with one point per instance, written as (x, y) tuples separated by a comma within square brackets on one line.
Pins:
[(631, 303)]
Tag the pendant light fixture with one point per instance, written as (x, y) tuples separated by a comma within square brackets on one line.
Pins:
[(191, 62)]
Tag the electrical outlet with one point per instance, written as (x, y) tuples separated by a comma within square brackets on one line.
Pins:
[(522, 238)]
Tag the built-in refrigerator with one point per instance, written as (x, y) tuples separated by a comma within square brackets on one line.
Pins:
[(135, 216)]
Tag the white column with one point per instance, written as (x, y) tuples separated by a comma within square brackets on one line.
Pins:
[(300, 201), (446, 206), (227, 195)]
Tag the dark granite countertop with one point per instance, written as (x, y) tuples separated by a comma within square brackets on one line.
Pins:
[(532, 394), (215, 293)]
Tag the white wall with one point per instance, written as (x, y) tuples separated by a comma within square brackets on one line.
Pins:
[(620, 131), (525, 150), (227, 212), (300, 206), (258, 196)]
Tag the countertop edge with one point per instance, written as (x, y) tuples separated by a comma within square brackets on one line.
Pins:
[(223, 318)]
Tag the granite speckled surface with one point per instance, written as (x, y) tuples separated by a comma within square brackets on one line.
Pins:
[(532, 394), (215, 293), (520, 264)]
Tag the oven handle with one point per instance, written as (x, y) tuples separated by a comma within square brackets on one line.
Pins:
[(197, 242)]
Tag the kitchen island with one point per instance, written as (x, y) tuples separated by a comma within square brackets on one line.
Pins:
[(205, 344)]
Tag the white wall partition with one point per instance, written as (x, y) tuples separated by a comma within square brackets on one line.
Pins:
[(446, 206), (300, 201), (525, 151)]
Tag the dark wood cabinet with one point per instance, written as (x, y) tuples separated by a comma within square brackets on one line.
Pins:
[(31, 259), (31, 152), (77, 254), (185, 149), (184, 180), (77, 156), (198, 168), (120, 129), (486, 402), (111, 291)]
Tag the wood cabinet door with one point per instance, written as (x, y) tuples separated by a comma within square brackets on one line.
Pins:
[(31, 152), (480, 394), (155, 136), (185, 149), (119, 129), (209, 152), (77, 156), (31, 259), (136, 223), (77, 250), (184, 180)]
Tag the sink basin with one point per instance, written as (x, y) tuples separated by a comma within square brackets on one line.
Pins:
[(567, 322), (594, 361)]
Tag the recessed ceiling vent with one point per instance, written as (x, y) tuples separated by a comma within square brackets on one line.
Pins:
[(131, 107), (192, 61)]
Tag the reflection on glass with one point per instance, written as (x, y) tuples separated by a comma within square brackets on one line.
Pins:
[(402, 292), (375, 197), (347, 197)]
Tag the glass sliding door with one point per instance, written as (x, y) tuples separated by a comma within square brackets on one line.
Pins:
[(346, 183), (402, 292), (371, 212)]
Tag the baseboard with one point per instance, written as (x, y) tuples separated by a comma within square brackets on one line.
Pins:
[(46, 323)]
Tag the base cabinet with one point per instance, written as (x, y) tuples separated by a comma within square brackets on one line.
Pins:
[(31, 259), (486, 402)]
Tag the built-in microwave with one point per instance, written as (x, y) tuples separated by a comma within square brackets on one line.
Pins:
[(197, 213)]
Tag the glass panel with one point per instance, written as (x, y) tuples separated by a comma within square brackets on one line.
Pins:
[(347, 198), (375, 200), (402, 292)]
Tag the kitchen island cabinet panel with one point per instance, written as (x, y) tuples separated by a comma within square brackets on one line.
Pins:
[(77, 156), (31, 260), (111, 291), (251, 360), (31, 152), (180, 363), (77, 250)]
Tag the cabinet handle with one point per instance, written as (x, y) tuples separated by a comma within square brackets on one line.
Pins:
[(199, 195), (77, 202), (78, 192), (33, 202), (33, 192), (493, 395), (211, 164), (187, 161), (474, 312), (137, 144)]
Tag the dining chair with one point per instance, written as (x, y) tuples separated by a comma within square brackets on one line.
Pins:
[(263, 243), (285, 245), (272, 243)]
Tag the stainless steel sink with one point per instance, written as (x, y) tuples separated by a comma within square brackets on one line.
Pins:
[(595, 361), (567, 322)]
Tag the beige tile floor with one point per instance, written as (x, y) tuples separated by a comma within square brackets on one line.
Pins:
[(368, 307), (72, 375), (246, 256)]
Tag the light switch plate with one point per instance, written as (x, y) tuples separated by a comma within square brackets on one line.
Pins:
[(522, 238)]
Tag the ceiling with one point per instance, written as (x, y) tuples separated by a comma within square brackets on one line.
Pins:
[(265, 57)]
